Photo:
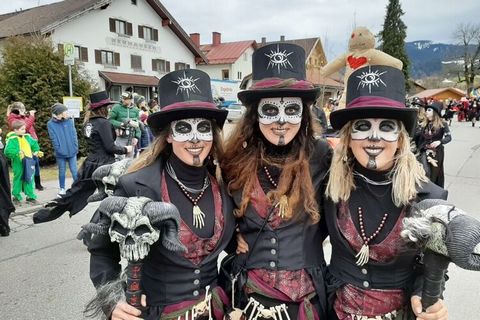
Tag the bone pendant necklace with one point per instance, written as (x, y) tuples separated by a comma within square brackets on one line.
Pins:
[(364, 254), (198, 215)]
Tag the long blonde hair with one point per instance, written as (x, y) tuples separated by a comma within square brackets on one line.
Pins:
[(407, 173), (437, 121), (161, 148)]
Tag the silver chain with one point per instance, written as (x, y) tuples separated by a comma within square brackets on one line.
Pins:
[(171, 173), (370, 181)]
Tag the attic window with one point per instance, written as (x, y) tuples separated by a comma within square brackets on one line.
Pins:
[(134, 2)]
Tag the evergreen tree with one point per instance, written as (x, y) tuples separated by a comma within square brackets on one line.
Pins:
[(392, 37), (33, 72)]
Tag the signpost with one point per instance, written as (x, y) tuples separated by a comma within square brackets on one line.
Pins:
[(69, 60)]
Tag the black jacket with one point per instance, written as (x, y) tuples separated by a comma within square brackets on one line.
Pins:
[(168, 278), (101, 140), (397, 274)]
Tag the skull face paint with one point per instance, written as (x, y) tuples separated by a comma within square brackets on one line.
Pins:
[(429, 113), (191, 140), (385, 129), (374, 142), (280, 118), (192, 129)]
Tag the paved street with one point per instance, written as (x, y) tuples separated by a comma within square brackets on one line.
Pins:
[(44, 269)]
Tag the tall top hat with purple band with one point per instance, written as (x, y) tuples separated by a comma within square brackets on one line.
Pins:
[(100, 99), (375, 92), (271, 65), (185, 94)]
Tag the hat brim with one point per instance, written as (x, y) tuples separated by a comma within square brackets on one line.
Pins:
[(159, 120), (94, 106), (249, 97), (408, 116)]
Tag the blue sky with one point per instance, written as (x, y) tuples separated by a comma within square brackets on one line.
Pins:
[(331, 20)]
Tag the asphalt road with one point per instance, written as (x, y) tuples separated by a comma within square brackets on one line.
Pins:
[(44, 269)]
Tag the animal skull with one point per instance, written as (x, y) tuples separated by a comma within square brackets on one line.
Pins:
[(133, 230)]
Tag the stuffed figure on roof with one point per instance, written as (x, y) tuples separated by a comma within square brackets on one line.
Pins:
[(361, 53)]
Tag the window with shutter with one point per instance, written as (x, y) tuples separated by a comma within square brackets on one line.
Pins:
[(136, 61), (112, 25), (60, 48), (98, 56), (155, 35), (84, 54), (154, 65), (167, 66), (129, 29), (140, 32), (117, 59)]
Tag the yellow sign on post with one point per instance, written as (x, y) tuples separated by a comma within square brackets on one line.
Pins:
[(68, 54), (74, 105)]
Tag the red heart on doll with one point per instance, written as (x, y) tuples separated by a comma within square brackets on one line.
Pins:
[(355, 63)]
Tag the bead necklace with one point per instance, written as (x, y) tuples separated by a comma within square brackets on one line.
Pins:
[(364, 254), (269, 177)]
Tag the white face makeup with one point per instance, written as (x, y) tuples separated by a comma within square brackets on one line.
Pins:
[(280, 110), (429, 113), (376, 129), (192, 129)]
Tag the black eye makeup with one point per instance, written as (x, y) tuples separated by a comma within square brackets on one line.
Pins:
[(183, 127)]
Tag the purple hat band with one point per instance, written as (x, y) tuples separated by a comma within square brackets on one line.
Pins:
[(189, 104), (372, 101), (99, 103)]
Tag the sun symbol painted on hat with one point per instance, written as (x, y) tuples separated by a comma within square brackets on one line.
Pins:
[(278, 59), (370, 78), (186, 84)]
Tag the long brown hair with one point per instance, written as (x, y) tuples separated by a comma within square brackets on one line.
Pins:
[(245, 153), (161, 148), (98, 112)]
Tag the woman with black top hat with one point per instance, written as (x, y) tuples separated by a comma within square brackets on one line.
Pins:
[(179, 167), (373, 179), (101, 137), (276, 168), (432, 133)]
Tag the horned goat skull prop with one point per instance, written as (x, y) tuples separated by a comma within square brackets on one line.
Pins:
[(446, 234), (136, 223), (106, 178)]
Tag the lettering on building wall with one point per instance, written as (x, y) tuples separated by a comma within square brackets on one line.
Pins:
[(127, 43)]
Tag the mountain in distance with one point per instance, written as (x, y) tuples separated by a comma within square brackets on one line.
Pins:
[(426, 57)]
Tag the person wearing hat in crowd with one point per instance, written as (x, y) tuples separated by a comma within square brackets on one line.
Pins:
[(275, 170), (102, 149), (373, 179), (125, 118), (63, 136), (146, 136), (180, 168), (17, 111), (432, 133)]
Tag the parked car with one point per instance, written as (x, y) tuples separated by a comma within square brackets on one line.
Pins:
[(235, 112)]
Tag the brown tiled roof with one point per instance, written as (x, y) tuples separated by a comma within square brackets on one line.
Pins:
[(227, 52), (44, 18), (127, 78), (432, 92), (38, 18)]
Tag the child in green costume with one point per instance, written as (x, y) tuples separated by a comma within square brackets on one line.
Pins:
[(20, 145)]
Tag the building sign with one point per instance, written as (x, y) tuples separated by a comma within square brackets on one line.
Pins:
[(132, 44), (74, 105), (68, 54), (227, 89)]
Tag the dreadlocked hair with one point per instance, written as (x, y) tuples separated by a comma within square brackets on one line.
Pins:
[(245, 153)]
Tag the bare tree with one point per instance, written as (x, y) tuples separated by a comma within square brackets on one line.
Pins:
[(468, 35)]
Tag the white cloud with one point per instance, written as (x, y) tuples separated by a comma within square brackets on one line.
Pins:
[(331, 20)]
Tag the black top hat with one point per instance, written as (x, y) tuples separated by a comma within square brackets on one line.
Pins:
[(436, 106), (100, 99), (274, 63), (185, 94), (375, 92)]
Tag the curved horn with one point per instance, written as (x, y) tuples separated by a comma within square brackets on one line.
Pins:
[(165, 215), (97, 196), (112, 204), (158, 212), (101, 172), (463, 239)]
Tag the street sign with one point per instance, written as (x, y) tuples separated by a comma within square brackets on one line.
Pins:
[(68, 54), (74, 105)]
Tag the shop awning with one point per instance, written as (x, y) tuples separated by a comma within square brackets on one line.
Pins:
[(128, 78)]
